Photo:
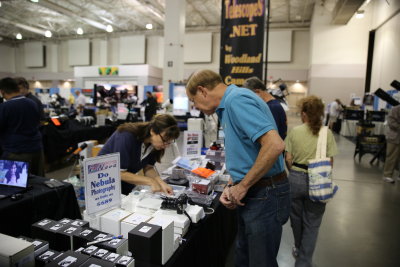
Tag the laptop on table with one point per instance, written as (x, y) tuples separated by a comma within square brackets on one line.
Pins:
[(13, 177)]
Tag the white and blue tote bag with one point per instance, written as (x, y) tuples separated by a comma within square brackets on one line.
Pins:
[(321, 188)]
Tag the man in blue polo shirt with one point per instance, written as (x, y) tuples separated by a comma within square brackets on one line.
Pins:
[(254, 160), (20, 138)]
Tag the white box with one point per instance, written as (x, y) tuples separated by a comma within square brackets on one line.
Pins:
[(148, 206), (111, 221), (131, 222), (177, 239), (167, 247), (181, 231), (94, 219), (16, 252), (195, 212), (180, 220)]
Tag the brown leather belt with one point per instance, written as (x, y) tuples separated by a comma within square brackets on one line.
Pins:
[(264, 182)]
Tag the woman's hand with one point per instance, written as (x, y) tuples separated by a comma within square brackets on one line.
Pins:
[(155, 186), (165, 187)]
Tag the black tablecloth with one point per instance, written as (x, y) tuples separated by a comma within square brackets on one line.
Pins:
[(209, 241), (16, 217), (56, 141)]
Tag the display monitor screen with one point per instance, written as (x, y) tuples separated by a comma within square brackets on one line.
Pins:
[(13, 173), (181, 101)]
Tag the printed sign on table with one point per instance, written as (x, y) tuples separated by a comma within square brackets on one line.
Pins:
[(102, 182), (192, 143)]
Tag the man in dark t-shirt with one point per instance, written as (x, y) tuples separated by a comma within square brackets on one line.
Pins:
[(23, 86), (20, 138), (258, 87)]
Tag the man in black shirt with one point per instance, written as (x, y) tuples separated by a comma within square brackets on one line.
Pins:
[(23, 86), (20, 138)]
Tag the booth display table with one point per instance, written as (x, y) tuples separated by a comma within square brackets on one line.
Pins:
[(349, 128), (209, 241), (38, 203)]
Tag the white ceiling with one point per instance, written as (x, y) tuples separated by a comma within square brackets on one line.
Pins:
[(64, 17)]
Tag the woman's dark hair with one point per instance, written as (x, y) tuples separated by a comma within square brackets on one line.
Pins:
[(8, 174), (313, 107), (162, 123)]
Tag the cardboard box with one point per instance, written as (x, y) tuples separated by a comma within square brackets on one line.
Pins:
[(16, 252), (69, 259), (94, 262), (111, 221), (145, 243), (64, 236), (202, 186), (167, 245), (112, 257), (125, 261), (119, 246), (132, 221), (46, 257)]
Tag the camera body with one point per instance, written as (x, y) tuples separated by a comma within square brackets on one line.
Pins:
[(179, 204)]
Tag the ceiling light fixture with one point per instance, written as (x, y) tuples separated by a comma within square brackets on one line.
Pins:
[(18, 36), (48, 34), (0, 4), (109, 28), (149, 26), (79, 31), (360, 14), (35, 1)]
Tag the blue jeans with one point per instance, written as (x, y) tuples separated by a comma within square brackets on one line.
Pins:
[(260, 225), (305, 218)]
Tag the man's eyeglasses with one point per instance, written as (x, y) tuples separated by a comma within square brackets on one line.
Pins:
[(166, 142)]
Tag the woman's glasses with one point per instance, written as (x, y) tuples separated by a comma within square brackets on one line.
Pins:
[(166, 142)]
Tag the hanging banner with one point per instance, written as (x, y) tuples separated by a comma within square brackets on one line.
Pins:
[(242, 40), (102, 182)]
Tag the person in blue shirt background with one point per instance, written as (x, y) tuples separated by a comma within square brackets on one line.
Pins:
[(258, 87), (140, 145), (260, 193), (20, 138)]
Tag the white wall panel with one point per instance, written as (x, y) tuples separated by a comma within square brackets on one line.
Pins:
[(79, 52), (7, 58), (280, 46), (34, 56), (132, 49), (197, 47)]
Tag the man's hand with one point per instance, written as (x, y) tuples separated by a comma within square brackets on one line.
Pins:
[(237, 193), (225, 199)]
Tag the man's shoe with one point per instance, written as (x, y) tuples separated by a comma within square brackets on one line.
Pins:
[(388, 180)]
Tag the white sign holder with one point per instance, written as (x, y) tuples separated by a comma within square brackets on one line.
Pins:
[(102, 183)]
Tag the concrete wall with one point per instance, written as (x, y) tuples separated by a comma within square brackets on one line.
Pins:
[(338, 57), (386, 60)]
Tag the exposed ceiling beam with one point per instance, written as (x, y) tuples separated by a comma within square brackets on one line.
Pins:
[(67, 12), (344, 11), (23, 26)]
